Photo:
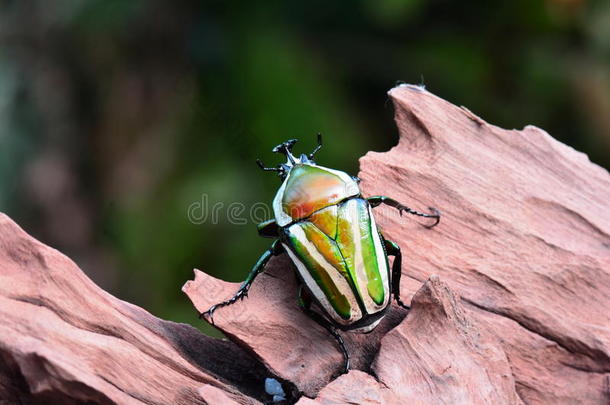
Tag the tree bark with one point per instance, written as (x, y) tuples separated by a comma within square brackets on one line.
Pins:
[(509, 293)]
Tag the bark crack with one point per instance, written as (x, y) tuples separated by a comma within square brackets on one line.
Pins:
[(538, 333)]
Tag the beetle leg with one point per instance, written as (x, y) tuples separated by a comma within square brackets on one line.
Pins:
[(275, 249), (268, 229), (379, 199), (304, 302), (392, 249)]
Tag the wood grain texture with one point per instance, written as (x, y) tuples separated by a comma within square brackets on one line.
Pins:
[(524, 243), (63, 340), (524, 240), (509, 293)]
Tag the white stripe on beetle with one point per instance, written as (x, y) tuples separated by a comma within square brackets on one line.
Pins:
[(368, 328), (337, 278), (352, 207), (382, 262)]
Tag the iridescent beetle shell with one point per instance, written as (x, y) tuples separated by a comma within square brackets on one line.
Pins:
[(328, 230), (330, 234)]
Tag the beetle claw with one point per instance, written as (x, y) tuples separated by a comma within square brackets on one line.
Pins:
[(437, 216), (208, 315), (402, 304)]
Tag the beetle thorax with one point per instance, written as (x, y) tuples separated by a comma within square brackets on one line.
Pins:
[(309, 188)]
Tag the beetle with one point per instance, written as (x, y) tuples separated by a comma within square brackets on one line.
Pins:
[(328, 230)]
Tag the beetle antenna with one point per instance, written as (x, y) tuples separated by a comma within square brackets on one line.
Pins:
[(267, 169), (312, 154)]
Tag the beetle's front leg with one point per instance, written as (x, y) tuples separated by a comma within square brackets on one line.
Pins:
[(304, 302), (275, 249), (379, 199), (392, 249), (268, 229)]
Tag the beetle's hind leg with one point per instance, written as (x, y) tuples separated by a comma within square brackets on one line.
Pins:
[(304, 302), (392, 249), (379, 199), (275, 249)]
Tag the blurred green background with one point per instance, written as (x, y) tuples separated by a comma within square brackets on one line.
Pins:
[(116, 116)]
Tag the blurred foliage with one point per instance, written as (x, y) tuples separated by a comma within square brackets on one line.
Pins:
[(116, 116)]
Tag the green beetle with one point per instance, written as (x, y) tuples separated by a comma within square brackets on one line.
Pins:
[(328, 230)]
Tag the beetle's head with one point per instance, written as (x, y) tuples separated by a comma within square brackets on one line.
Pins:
[(286, 149)]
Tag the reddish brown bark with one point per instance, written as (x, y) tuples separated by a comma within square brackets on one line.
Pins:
[(510, 294)]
